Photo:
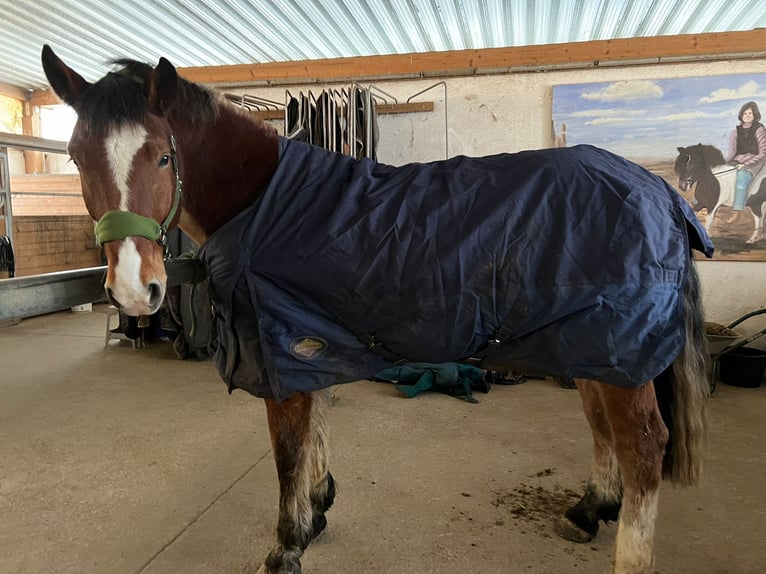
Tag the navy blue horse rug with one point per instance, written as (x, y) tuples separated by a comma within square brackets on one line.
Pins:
[(571, 261)]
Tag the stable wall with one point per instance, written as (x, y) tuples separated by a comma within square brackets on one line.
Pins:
[(44, 244), (512, 112), (47, 194), (507, 112)]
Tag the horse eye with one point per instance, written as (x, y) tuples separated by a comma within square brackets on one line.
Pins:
[(74, 161), (164, 160)]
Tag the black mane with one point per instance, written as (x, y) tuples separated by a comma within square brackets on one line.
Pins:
[(118, 98), (711, 155)]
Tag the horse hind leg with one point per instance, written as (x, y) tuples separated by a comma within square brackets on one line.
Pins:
[(603, 493), (306, 487), (756, 232), (639, 439), (757, 225)]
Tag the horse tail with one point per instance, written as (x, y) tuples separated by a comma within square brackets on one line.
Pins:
[(682, 394)]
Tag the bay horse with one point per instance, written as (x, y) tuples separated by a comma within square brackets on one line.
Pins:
[(324, 269), (716, 182)]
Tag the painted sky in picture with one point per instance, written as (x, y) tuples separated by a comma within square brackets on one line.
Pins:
[(649, 119)]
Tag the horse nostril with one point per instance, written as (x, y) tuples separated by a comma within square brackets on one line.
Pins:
[(155, 293), (111, 299)]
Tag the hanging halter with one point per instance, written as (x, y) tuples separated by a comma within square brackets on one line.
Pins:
[(117, 224)]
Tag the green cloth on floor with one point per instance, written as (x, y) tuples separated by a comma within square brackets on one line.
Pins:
[(455, 379)]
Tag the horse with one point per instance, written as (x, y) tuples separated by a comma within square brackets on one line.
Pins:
[(323, 269), (716, 182)]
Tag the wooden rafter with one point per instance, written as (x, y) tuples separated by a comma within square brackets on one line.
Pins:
[(659, 49)]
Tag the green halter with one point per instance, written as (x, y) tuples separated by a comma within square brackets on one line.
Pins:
[(117, 224)]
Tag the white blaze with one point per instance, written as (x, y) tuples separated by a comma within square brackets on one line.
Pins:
[(121, 147), (128, 288)]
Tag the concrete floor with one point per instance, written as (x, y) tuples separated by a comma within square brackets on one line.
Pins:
[(117, 460)]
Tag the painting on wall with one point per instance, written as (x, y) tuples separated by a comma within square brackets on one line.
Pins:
[(719, 168)]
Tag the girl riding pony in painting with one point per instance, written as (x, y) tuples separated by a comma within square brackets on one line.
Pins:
[(747, 150)]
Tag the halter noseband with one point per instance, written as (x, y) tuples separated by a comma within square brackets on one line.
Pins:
[(117, 224)]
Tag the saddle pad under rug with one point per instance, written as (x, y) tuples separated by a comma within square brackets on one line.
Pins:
[(573, 258)]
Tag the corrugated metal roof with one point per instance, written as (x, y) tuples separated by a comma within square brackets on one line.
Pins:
[(88, 33)]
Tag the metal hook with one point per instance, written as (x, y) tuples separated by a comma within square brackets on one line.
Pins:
[(446, 127)]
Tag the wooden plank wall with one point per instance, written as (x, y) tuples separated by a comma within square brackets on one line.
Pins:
[(43, 244), (47, 194)]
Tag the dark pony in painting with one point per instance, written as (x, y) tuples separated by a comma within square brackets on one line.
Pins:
[(693, 164), (324, 269)]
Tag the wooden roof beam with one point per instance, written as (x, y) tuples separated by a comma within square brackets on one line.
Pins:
[(625, 51)]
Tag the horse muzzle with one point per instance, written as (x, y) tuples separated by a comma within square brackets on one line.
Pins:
[(138, 304), (136, 277)]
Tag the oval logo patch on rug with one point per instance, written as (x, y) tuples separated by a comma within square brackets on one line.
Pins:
[(307, 347)]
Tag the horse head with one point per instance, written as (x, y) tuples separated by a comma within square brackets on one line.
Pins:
[(695, 162), (124, 149), (686, 166)]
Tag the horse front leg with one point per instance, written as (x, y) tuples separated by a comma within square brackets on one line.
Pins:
[(711, 217), (306, 487), (603, 493)]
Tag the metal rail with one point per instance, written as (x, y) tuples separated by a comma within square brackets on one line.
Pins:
[(5, 193), (32, 143), (24, 297), (26, 143), (443, 84)]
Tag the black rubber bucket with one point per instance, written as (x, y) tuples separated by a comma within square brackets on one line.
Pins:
[(743, 367)]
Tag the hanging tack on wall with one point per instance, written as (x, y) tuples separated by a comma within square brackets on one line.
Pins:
[(339, 120), (343, 120)]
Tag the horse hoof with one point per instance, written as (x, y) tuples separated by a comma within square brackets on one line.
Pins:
[(568, 530), (286, 570), (280, 564)]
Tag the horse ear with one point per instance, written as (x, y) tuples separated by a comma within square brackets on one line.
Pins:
[(681, 149), (161, 88), (67, 83)]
